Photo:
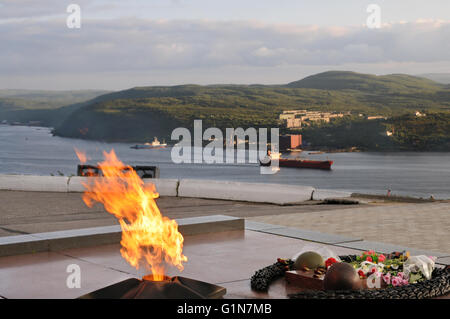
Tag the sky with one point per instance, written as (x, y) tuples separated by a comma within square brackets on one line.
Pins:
[(122, 44)]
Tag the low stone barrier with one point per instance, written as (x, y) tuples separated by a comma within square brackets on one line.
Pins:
[(250, 192), (322, 194), (34, 183), (227, 190), (165, 187), (75, 184)]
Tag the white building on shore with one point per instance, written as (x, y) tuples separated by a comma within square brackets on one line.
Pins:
[(299, 118)]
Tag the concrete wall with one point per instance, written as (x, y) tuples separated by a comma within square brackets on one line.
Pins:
[(75, 184), (322, 194), (227, 190), (251, 192), (34, 183), (165, 187)]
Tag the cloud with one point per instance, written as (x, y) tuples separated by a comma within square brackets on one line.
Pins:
[(130, 45)]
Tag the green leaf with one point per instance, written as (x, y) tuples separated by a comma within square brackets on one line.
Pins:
[(415, 277)]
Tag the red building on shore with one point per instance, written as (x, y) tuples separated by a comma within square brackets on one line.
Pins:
[(290, 142)]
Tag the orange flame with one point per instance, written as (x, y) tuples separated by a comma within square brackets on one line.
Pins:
[(81, 155), (147, 237)]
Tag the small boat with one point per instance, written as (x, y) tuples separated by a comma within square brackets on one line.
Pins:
[(153, 145), (301, 163)]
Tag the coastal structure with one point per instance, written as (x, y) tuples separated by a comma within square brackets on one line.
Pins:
[(376, 117), (290, 142), (420, 114), (299, 118)]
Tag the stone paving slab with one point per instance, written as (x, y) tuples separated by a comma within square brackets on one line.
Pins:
[(250, 225), (225, 258), (209, 224), (309, 235), (422, 226), (22, 244), (37, 212), (228, 259), (59, 240), (341, 241), (44, 275)]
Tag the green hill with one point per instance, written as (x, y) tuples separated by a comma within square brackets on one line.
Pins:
[(38, 99), (345, 80), (48, 107), (140, 113), (438, 77)]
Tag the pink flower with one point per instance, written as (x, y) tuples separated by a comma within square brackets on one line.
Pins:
[(405, 282), (396, 281), (371, 252), (387, 278), (401, 275), (381, 258)]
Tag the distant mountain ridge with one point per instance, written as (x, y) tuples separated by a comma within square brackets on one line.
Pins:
[(437, 77), (347, 80), (47, 107), (45, 98)]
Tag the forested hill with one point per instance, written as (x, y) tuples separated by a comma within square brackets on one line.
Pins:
[(140, 113), (47, 107), (346, 80)]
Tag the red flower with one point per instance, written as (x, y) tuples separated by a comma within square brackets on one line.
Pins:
[(381, 258), (329, 262), (361, 273), (369, 259)]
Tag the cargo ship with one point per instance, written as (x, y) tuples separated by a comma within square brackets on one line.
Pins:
[(153, 145), (301, 163)]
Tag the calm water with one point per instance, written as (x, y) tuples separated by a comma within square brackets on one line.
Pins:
[(32, 150)]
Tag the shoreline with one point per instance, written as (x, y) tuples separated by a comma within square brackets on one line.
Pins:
[(313, 149)]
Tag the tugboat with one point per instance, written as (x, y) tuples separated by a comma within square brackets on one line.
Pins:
[(153, 145), (300, 163)]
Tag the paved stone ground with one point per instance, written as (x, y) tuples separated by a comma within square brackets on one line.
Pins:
[(227, 259), (34, 212), (425, 226)]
